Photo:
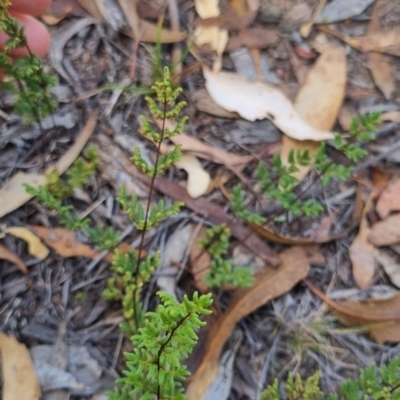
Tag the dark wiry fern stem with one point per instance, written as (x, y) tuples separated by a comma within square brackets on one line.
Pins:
[(143, 234)]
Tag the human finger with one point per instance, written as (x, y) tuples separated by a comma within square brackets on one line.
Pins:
[(36, 33), (31, 7)]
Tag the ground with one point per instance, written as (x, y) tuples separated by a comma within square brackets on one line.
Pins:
[(100, 70)]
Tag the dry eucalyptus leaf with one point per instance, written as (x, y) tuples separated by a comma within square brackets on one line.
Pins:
[(200, 262), (203, 102), (19, 380), (361, 253), (381, 317), (389, 200), (391, 116), (269, 284), (318, 101), (13, 194), (382, 42), (65, 243), (254, 100), (35, 247), (391, 267), (381, 70), (253, 38), (385, 330), (8, 255), (386, 232)]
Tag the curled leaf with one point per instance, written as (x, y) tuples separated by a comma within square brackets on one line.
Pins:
[(35, 247), (255, 100)]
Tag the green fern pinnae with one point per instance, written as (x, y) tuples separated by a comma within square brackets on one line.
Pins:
[(216, 241), (137, 214), (278, 182), (124, 285), (222, 272), (372, 384), (154, 368), (240, 208)]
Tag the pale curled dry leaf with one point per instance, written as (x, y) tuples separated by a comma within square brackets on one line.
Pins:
[(318, 101), (214, 36), (35, 247), (19, 380), (207, 152), (13, 194), (198, 178), (361, 253), (8, 255), (269, 284), (389, 200), (386, 232), (254, 100)]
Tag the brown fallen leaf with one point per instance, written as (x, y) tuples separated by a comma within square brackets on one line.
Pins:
[(193, 145), (361, 253), (8, 255), (94, 8), (270, 283), (200, 262), (211, 153), (319, 101), (389, 200), (65, 243), (381, 42), (13, 194), (386, 232), (148, 31), (202, 206), (380, 317), (381, 70), (267, 233), (203, 102), (253, 38), (229, 22), (35, 247), (391, 116), (380, 179), (19, 380)]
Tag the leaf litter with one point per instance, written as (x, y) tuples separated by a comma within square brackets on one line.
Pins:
[(205, 131)]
